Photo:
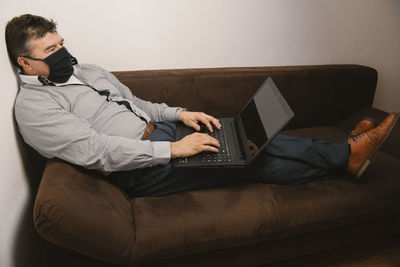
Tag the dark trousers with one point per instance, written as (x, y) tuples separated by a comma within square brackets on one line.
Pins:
[(286, 160)]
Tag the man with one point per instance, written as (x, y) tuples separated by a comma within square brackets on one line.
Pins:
[(84, 115)]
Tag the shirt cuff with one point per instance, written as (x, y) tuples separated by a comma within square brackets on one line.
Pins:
[(162, 152), (172, 114)]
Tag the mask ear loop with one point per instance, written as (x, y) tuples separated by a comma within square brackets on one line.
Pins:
[(37, 59), (74, 60)]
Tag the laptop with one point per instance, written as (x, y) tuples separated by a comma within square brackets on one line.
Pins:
[(244, 136)]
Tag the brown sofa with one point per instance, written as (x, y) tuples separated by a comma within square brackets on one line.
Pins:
[(241, 225)]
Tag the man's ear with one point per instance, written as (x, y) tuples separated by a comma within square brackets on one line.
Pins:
[(24, 63)]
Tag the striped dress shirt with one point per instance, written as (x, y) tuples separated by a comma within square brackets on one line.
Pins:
[(75, 123)]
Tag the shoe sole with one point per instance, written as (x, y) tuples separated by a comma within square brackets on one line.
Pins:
[(367, 160)]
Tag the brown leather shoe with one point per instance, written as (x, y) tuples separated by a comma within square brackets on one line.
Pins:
[(364, 126), (364, 145)]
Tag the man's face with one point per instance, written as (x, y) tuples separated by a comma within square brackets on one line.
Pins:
[(41, 48)]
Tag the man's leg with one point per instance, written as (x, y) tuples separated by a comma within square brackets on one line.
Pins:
[(291, 160)]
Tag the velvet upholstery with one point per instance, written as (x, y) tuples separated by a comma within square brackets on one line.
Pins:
[(80, 211)]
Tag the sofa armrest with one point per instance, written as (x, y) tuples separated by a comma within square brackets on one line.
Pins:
[(391, 145), (82, 213)]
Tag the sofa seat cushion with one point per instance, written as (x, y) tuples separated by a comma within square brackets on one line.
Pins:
[(204, 220)]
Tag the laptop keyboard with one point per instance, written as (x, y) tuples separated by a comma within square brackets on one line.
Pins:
[(224, 154)]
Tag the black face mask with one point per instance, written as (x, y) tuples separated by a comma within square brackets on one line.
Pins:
[(60, 65)]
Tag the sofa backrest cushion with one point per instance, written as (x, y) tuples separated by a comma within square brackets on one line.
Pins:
[(319, 95)]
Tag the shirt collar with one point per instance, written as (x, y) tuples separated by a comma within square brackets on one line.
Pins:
[(29, 79), (34, 79)]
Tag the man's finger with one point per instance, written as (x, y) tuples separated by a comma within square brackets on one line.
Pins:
[(216, 123), (207, 123), (195, 126), (212, 141), (209, 148), (208, 140)]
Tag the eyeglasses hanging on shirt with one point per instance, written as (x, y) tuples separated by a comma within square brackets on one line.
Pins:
[(47, 82)]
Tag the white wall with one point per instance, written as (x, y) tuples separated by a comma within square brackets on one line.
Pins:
[(134, 35)]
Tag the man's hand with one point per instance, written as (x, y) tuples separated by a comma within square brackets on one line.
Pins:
[(193, 144), (191, 119)]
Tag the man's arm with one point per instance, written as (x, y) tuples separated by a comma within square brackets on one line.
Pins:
[(55, 132)]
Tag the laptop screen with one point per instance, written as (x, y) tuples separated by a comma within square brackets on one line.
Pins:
[(264, 116)]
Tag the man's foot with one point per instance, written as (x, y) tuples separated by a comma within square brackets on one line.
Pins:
[(364, 145), (364, 126)]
